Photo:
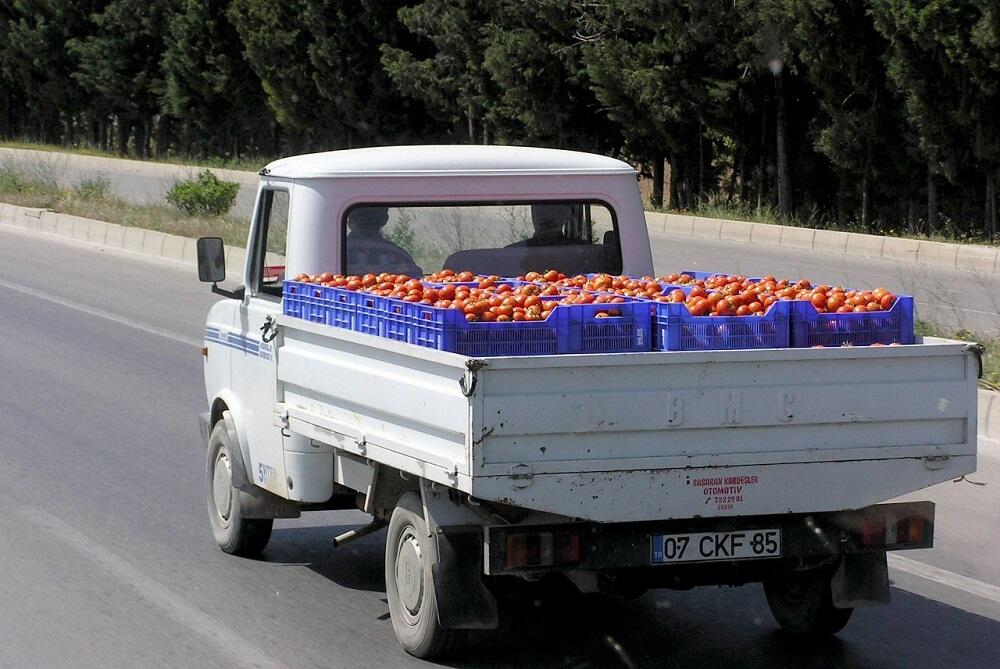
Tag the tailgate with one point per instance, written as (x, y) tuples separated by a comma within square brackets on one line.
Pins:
[(723, 432)]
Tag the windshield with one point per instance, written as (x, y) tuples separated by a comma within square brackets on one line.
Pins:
[(506, 239)]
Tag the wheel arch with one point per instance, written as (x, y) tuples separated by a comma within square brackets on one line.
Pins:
[(226, 408)]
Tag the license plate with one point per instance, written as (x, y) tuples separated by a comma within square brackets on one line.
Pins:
[(714, 546)]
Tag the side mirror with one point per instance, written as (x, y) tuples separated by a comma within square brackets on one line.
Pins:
[(212, 266), (211, 260)]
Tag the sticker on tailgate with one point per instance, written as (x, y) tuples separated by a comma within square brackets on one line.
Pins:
[(724, 493)]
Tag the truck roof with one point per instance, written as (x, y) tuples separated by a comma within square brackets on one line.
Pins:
[(444, 160)]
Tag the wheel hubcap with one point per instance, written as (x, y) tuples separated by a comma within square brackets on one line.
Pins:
[(409, 572), (222, 486)]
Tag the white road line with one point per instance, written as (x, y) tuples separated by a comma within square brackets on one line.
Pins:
[(100, 313), (202, 624), (944, 577)]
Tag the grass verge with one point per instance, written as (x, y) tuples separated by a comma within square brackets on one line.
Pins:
[(991, 356), (92, 198), (246, 163), (715, 207)]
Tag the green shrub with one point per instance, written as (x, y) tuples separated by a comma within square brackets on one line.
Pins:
[(96, 188), (205, 194), (11, 181)]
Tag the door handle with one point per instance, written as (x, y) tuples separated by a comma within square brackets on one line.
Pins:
[(269, 327)]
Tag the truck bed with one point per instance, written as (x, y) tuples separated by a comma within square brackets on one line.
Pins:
[(642, 436)]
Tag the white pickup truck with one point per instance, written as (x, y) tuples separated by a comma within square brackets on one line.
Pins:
[(619, 472)]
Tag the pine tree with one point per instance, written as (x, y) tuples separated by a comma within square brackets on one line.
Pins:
[(212, 93)]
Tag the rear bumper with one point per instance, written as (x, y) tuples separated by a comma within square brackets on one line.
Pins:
[(807, 536)]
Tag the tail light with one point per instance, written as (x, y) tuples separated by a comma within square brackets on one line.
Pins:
[(910, 530), (542, 549), (895, 532), (873, 532)]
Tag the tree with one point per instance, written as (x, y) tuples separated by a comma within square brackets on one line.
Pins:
[(276, 44), (943, 60), (118, 66), (348, 72), (858, 125), (535, 61), (211, 91), (37, 68), (665, 75), (450, 80)]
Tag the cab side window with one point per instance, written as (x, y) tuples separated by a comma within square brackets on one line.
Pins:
[(269, 244)]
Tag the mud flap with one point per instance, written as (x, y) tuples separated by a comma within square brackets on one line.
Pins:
[(861, 580), (463, 602)]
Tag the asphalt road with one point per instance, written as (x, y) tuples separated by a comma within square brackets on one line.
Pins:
[(951, 298), (106, 558)]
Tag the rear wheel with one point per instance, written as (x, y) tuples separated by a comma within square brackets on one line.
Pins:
[(801, 603), (409, 585), (234, 534)]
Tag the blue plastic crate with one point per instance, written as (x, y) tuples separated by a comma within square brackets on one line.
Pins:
[(568, 329), (675, 329), (811, 328), (368, 311), (695, 274), (318, 304)]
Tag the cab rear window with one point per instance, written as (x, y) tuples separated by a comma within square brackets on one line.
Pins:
[(507, 239)]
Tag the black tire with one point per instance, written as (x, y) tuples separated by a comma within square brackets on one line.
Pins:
[(234, 534), (409, 586), (801, 603)]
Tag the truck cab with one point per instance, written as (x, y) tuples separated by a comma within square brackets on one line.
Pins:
[(615, 472)]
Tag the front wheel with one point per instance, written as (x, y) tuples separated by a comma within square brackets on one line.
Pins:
[(801, 602), (409, 585), (234, 534)]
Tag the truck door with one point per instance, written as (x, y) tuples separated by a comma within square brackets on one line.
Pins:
[(254, 367)]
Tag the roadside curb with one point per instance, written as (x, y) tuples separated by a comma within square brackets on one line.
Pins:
[(989, 414), (149, 243), (971, 257)]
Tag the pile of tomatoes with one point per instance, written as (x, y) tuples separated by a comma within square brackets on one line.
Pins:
[(493, 300), (726, 295)]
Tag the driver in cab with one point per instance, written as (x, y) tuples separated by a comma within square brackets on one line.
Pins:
[(550, 222), (369, 251)]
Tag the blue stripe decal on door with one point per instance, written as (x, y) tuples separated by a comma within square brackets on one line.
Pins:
[(232, 340)]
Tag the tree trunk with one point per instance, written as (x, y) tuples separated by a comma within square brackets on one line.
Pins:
[(865, 206), (932, 202), (67, 138), (991, 205), (142, 139), (911, 215), (762, 168), (785, 207), (162, 136), (701, 162), (656, 199), (124, 129), (744, 169), (841, 210), (470, 116), (676, 179)]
